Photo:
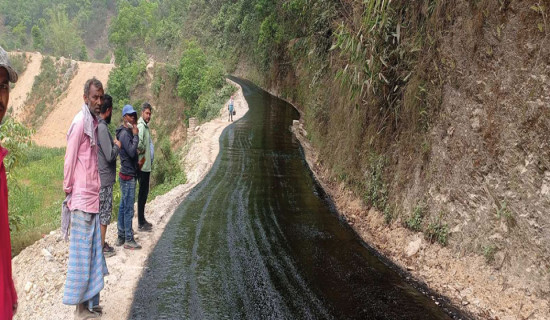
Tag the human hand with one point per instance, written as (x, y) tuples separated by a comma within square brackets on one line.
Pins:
[(117, 143), (141, 162)]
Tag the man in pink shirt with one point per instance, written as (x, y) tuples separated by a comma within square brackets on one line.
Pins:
[(86, 267), (8, 296)]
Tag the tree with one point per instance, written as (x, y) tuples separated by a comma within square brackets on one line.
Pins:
[(37, 38), (62, 36), (192, 67), (20, 33), (83, 56), (133, 27)]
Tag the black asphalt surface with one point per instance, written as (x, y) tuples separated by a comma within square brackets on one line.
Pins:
[(257, 239)]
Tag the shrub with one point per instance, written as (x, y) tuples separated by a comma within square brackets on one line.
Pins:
[(437, 231), (165, 165), (489, 252), (19, 62), (415, 221), (201, 83), (16, 138), (376, 193), (124, 79)]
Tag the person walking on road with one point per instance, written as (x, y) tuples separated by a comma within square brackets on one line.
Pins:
[(81, 183), (8, 296), (231, 109), (145, 148), (127, 134), (107, 154)]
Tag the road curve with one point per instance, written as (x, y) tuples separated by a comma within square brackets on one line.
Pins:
[(257, 239)]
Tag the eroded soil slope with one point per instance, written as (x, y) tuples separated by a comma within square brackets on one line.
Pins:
[(52, 133), (24, 85)]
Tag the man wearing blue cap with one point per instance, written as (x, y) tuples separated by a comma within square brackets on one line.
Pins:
[(127, 134)]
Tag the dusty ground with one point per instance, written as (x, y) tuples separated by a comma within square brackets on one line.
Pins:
[(468, 281), (40, 270), (24, 85), (53, 131)]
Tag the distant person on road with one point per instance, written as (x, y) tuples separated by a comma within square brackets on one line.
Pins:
[(231, 109), (81, 183), (8, 296), (127, 134), (107, 154), (145, 149)]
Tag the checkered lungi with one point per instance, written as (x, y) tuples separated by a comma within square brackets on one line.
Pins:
[(87, 265)]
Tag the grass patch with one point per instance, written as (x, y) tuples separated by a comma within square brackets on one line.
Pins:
[(489, 252), (437, 231), (168, 185), (503, 212), (415, 221), (35, 202), (376, 193)]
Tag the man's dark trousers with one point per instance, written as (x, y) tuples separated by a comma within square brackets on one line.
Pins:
[(142, 195)]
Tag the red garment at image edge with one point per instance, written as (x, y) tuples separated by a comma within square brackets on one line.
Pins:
[(8, 297)]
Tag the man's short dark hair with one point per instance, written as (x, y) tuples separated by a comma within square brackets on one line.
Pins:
[(107, 103), (146, 106), (93, 81)]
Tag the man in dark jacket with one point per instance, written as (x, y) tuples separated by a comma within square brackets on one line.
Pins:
[(106, 159), (127, 134)]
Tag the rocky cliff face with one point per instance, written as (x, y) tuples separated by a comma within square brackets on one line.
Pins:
[(488, 168)]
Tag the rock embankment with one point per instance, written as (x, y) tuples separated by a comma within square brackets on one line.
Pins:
[(468, 281)]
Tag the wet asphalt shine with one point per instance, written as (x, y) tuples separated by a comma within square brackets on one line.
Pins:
[(257, 239)]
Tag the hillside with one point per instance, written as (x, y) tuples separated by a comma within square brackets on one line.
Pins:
[(64, 104), (19, 94), (53, 131)]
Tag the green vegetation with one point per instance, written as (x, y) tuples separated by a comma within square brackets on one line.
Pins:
[(19, 62), (16, 138), (56, 27), (131, 30), (123, 80), (377, 191), (35, 201), (437, 231), (489, 252), (167, 171), (384, 57), (504, 212), (415, 221)]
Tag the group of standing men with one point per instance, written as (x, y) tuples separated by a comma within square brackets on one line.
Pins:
[(89, 177)]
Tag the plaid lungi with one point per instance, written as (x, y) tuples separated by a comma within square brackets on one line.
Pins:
[(86, 261)]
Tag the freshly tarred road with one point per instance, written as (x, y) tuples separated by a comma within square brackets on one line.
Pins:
[(257, 239)]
